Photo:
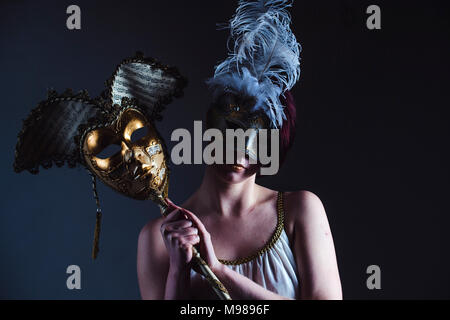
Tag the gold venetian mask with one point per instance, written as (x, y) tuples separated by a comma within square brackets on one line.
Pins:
[(78, 130), (137, 166)]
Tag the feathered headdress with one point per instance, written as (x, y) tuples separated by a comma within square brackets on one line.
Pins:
[(264, 57)]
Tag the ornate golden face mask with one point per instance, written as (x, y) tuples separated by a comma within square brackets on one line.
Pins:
[(138, 169), (77, 130)]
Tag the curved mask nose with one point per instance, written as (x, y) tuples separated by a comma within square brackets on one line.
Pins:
[(141, 156), (250, 139), (137, 162)]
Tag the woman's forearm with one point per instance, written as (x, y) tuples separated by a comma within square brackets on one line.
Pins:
[(242, 288), (177, 284)]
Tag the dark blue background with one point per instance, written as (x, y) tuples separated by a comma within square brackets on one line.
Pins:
[(372, 140)]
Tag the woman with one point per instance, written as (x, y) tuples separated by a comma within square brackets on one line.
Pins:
[(271, 245)]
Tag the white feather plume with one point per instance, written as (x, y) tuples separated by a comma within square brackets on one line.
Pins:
[(264, 58)]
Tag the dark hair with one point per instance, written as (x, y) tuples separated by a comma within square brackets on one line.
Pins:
[(287, 132)]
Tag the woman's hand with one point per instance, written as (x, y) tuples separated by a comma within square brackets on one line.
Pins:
[(205, 246), (179, 236)]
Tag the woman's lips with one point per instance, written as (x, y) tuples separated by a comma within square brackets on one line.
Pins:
[(238, 167)]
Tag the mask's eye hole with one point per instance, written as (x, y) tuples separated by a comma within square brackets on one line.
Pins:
[(225, 102), (109, 151), (234, 107), (139, 134)]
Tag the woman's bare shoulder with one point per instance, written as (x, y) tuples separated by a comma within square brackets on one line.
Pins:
[(152, 261), (150, 236), (303, 200), (302, 209), (314, 246)]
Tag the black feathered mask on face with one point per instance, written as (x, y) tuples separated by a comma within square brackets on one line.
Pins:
[(77, 130), (263, 63)]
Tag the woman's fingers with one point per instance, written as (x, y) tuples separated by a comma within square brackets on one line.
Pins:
[(173, 205), (170, 206), (173, 215), (206, 246), (176, 231), (192, 217), (201, 227), (189, 240), (184, 232), (177, 239), (171, 219), (179, 224), (186, 245)]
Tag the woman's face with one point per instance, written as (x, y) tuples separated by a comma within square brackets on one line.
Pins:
[(232, 111)]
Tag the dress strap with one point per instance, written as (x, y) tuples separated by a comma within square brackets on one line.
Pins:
[(269, 244)]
